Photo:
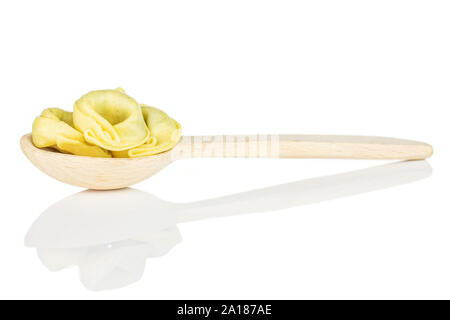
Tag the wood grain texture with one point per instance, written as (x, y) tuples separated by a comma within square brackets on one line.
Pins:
[(115, 173), (305, 146), (352, 147), (90, 172)]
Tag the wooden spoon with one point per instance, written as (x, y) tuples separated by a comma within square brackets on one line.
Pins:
[(115, 173)]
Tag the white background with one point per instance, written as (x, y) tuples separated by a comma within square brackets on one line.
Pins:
[(229, 67)]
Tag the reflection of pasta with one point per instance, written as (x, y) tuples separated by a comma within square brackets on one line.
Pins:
[(165, 133), (107, 123), (54, 128)]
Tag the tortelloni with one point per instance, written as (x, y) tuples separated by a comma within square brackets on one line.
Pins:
[(54, 129), (107, 123), (110, 119), (165, 133)]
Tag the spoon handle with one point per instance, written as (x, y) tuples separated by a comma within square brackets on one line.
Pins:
[(303, 146)]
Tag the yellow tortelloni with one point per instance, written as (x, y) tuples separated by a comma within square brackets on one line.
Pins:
[(165, 133), (110, 119), (54, 129)]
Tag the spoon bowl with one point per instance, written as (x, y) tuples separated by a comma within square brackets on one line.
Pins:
[(91, 172)]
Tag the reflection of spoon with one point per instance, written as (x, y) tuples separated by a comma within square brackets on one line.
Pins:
[(110, 234), (114, 173)]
